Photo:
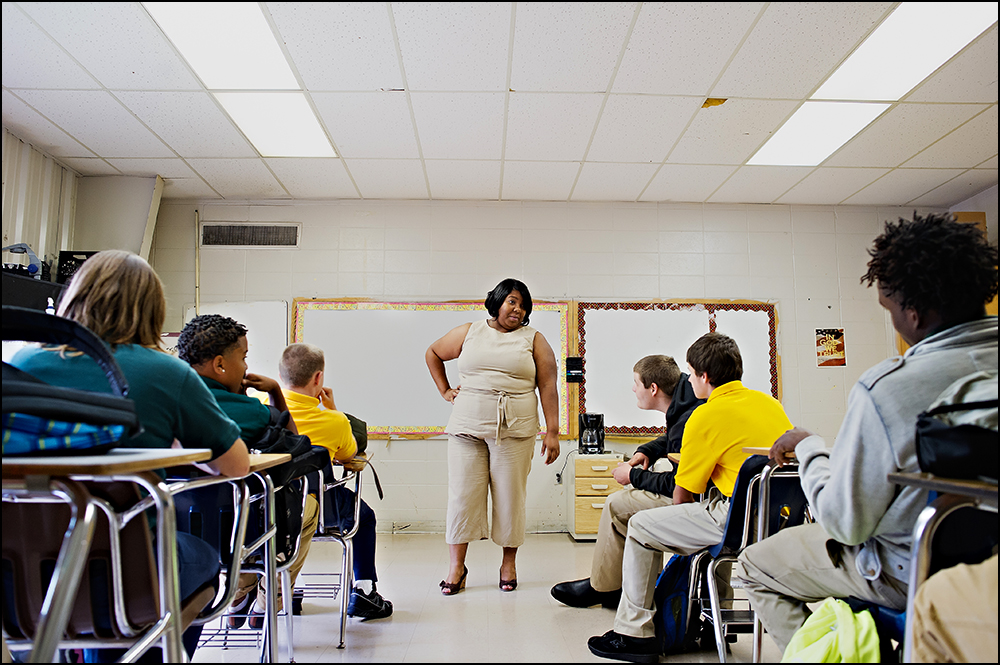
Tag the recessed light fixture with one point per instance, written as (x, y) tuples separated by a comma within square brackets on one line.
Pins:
[(279, 124), (229, 45)]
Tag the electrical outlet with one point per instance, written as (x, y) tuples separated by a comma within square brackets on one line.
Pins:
[(558, 479)]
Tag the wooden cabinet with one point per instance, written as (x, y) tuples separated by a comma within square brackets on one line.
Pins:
[(592, 483)]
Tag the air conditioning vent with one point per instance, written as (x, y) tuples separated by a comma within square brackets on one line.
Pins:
[(250, 235)]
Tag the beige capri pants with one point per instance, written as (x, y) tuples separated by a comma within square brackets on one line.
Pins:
[(477, 467)]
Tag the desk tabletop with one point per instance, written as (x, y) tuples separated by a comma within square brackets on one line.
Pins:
[(977, 489), (763, 450), (674, 457), (261, 461), (356, 463), (115, 461)]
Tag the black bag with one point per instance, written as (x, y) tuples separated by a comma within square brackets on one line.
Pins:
[(957, 435), (42, 419), (359, 429)]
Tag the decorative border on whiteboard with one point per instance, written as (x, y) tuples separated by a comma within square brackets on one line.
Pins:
[(561, 350), (709, 306)]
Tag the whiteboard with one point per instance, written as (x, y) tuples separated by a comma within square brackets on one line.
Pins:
[(614, 336), (267, 330), (375, 357)]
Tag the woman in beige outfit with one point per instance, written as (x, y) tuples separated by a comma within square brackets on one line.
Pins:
[(491, 433)]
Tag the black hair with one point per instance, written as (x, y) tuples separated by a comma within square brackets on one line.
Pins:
[(935, 264), (207, 336), (718, 356), (495, 298)]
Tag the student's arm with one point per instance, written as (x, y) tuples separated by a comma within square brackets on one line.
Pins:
[(681, 495), (268, 385), (546, 376), (234, 463), (447, 348)]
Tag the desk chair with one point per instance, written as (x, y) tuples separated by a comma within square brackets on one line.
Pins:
[(786, 506)]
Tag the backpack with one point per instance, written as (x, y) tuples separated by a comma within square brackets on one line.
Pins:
[(671, 601), (42, 419), (957, 434)]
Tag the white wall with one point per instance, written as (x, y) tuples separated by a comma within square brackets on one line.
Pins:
[(985, 201), (114, 212), (808, 259)]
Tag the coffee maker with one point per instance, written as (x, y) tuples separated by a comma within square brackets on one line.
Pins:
[(591, 433)]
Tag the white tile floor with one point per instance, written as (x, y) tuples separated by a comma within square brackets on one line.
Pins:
[(481, 624)]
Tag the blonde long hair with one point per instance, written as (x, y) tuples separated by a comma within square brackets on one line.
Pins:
[(118, 296)]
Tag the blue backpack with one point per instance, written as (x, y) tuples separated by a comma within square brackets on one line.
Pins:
[(671, 601)]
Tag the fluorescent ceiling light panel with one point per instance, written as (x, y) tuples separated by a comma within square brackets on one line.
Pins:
[(229, 45), (910, 45), (814, 132), (279, 124)]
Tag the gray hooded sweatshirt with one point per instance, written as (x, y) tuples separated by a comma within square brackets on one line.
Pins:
[(846, 485)]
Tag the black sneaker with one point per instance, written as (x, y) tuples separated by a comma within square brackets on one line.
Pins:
[(368, 606), (297, 596), (622, 647)]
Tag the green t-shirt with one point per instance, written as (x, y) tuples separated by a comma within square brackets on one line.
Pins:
[(251, 415), (170, 398)]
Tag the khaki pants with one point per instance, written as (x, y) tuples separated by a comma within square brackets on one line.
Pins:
[(481, 467), (681, 529), (955, 615), (606, 570), (310, 519), (800, 565)]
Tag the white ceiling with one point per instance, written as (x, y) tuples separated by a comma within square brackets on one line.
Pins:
[(514, 101)]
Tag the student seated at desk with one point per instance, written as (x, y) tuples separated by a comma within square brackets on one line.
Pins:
[(216, 347), (118, 296), (311, 404), (934, 276), (712, 449), (659, 385)]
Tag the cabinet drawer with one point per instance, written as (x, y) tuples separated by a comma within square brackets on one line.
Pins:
[(588, 513), (596, 486), (595, 468)]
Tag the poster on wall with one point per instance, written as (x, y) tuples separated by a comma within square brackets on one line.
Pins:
[(830, 347)]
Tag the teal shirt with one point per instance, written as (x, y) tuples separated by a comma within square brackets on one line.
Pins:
[(170, 398), (251, 415)]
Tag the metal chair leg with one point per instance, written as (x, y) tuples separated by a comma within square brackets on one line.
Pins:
[(716, 604), (288, 603)]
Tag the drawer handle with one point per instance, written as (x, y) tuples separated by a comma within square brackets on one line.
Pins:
[(598, 468), (598, 487), (597, 505)]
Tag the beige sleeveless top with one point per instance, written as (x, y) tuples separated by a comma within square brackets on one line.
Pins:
[(497, 377)]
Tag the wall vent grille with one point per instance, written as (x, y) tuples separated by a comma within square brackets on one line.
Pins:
[(250, 235)]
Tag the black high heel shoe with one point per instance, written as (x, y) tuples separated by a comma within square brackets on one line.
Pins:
[(451, 589)]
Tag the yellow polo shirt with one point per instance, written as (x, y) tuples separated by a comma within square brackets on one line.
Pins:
[(330, 429), (717, 431)]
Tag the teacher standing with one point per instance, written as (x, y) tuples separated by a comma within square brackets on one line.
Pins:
[(492, 430)]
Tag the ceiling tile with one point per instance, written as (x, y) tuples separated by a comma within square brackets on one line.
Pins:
[(900, 186), (27, 125), (339, 46), (389, 178), (239, 178), (681, 48), (960, 189), (538, 181), (187, 188), (350, 117), (98, 121), (990, 163), (314, 178), (686, 183), (728, 134), (464, 179), (902, 132), (640, 128), (454, 46), (759, 184), (795, 46), (829, 186), (969, 77), (568, 47), (967, 146), (190, 122), (165, 168), (117, 42), (32, 60), (86, 166), (612, 182), (550, 126), (459, 125)]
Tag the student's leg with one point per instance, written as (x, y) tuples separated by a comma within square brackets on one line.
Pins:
[(680, 529), (510, 463), (606, 569), (468, 487), (800, 565), (310, 518)]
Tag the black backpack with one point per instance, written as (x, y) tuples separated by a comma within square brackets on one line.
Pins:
[(957, 434), (32, 409)]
